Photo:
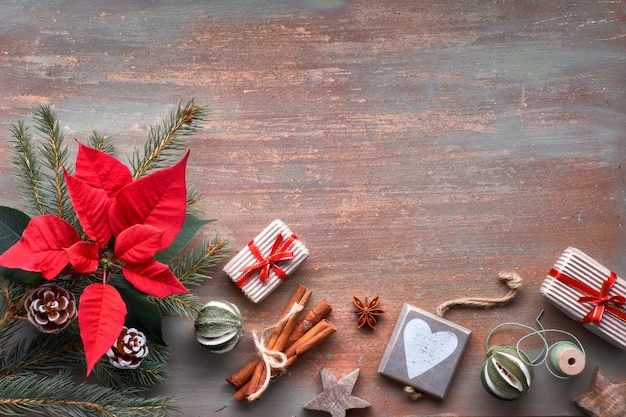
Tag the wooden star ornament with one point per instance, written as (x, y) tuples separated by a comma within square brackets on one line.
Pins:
[(604, 399), (337, 397)]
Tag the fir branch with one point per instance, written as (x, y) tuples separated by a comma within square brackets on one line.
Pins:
[(55, 157), (164, 141), (30, 393), (192, 269), (27, 163), (185, 305), (12, 295), (153, 370), (44, 353), (193, 197), (101, 142)]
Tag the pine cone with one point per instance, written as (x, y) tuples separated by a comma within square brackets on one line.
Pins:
[(50, 308), (129, 349)]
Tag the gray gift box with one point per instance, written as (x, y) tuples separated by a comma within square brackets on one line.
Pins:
[(424, 351)]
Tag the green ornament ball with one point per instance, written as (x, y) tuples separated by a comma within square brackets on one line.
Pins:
[(219, 326), (506, 373)]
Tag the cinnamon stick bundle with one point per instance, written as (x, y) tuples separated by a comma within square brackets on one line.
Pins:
[(293, 337), (317, 313), (279, 336)]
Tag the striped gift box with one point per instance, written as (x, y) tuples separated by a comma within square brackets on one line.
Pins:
[(589, 293), (266, 261)]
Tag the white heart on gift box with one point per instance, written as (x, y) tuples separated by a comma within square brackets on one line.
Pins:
[(424, 349)]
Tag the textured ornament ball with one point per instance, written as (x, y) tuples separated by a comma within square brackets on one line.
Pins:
[(129, 349), (219, 326), (506, 373), (50, 308)]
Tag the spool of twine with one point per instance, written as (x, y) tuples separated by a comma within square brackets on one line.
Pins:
[(566, 359), (513, 282)]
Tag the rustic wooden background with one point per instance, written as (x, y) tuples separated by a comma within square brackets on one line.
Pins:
[(418, 148)]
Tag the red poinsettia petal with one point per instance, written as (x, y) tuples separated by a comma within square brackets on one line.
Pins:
[(101, 314), (153, 278), (41, 247), (100, 170), (83, 256), (138, 243), (92, 208), (159, 200)]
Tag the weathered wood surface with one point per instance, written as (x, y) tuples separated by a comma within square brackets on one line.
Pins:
[(418, 148)]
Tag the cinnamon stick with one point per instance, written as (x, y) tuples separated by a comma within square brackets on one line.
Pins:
[(242, 392), (297, 295), (242, 376), (287, 330), (309, 340), (317, 313), (277, 343)]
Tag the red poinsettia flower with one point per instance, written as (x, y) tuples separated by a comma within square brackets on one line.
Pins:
[(143, 216)]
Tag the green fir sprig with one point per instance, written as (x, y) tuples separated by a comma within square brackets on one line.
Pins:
[(27, 394), (153, 371), (165, 140), (42, 353), (194, 267), (27, 162), (54, 194), (101, 142)]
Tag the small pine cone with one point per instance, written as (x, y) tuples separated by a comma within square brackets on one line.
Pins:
[(129, 349), (50, 308)]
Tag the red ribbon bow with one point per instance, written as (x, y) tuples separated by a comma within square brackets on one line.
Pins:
[(603, 302), (278, 253)]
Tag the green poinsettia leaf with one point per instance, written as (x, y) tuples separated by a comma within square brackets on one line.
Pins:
[(21, 277), (12, 224), (191, 226), (143, 313)]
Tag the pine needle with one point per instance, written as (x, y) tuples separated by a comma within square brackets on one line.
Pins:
[(44, 353), (101, 142), (164, 143), (55, 157), (26, 394), (27, 163), (193, 197), (185, 305), (152, 371), (192, 268), (12, 296)]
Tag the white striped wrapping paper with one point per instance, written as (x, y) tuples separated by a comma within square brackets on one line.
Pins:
[(255, 289), (581, 267)]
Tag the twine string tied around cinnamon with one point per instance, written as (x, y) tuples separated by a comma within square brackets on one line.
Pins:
[(273, 360)]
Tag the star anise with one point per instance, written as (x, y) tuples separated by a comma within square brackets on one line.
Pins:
[(367, 312)]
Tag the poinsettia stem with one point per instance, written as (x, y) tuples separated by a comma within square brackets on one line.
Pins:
[(71, 271)]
